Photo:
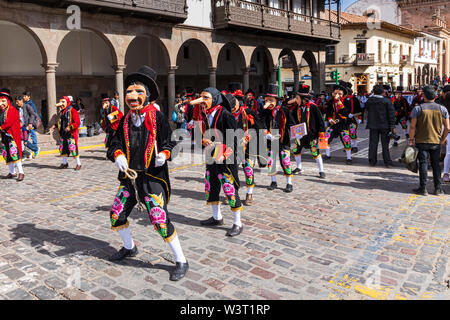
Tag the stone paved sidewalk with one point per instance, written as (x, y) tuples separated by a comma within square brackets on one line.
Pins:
[(359, 234)]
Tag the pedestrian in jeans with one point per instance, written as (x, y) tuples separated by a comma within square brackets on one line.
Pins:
[(28, 122), (427, 121), (380, 122), (32, 132)]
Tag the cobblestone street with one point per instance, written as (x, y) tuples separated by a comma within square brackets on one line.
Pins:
[(359, 234)]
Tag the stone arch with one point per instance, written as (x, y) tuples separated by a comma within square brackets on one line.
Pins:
[(24, 71), (261, 69), (165, 56), (194, 62), (231, 64), (86, 60), (289, 70), (311, 62), (99, 34), (148, 49)]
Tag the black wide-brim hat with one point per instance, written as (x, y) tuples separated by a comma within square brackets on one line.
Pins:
[(104, 97), (5, 92), (399, 89), (304, 91), (340, 87), (273, 92), (146, 76)]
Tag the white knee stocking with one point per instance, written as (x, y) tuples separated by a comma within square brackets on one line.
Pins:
[(128, 242), (175, 246), (216, 212)]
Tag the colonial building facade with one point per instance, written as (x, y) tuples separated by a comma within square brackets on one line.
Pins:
[(367, 56), (426, 58), (189, 43), (432, 17)]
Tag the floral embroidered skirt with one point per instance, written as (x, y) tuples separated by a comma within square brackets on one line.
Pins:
[(153, 195), (221, 176), (9, 150), (68, 147)]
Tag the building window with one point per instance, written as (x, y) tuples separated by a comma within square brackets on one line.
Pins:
[(410, 55), (390, 53), (360, 46), (401, 52), (330, 54), (380, 51)]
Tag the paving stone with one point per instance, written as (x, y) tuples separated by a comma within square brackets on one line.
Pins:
[(103, 294), (44, 293), (14, 274), (19, 294), (175, 291), (239, 264), (127, 294)]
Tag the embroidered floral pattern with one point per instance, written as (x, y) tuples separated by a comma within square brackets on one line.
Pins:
[(118, 205), (286, 162), (72, 147), (352, 128), (157, 201), (346, 139), (157, 215), (207, 185), (13, 152), (248, 170)]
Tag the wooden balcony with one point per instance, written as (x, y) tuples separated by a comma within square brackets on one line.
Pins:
[(364, 59), (170, 10), (248, 15)]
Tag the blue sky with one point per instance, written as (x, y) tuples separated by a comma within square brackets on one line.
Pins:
[(346, 3)]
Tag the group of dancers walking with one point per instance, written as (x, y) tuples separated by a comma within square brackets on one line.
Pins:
[(140, 145)]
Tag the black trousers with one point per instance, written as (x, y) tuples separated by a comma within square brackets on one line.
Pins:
[(435, 151), (374, 138)]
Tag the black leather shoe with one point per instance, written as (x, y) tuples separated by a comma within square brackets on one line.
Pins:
[(211, 222), (10, 176), (355, 150), (288, 188), (63, 166), (349, 161), (234, 231), (327, 157), (420, 191), (272, 186), (123, 253), (322, 175), (180, 271), (297, 171), (439, 192)]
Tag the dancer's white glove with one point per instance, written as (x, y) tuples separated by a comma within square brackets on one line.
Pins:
[(160, 160), (350, 116), (121, 163), (269, 136), (110, 117), (359, 121)]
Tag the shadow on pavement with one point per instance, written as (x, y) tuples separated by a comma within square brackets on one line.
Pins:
[(371, 184), (73, 244)]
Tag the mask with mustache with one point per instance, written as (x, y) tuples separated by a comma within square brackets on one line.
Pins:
[(137, 96)]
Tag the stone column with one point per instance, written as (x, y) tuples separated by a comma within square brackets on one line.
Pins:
[(50, 77), (274, 77), (246, 79), (119, 84), (296, 80), (171, 89), (212, 77)]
